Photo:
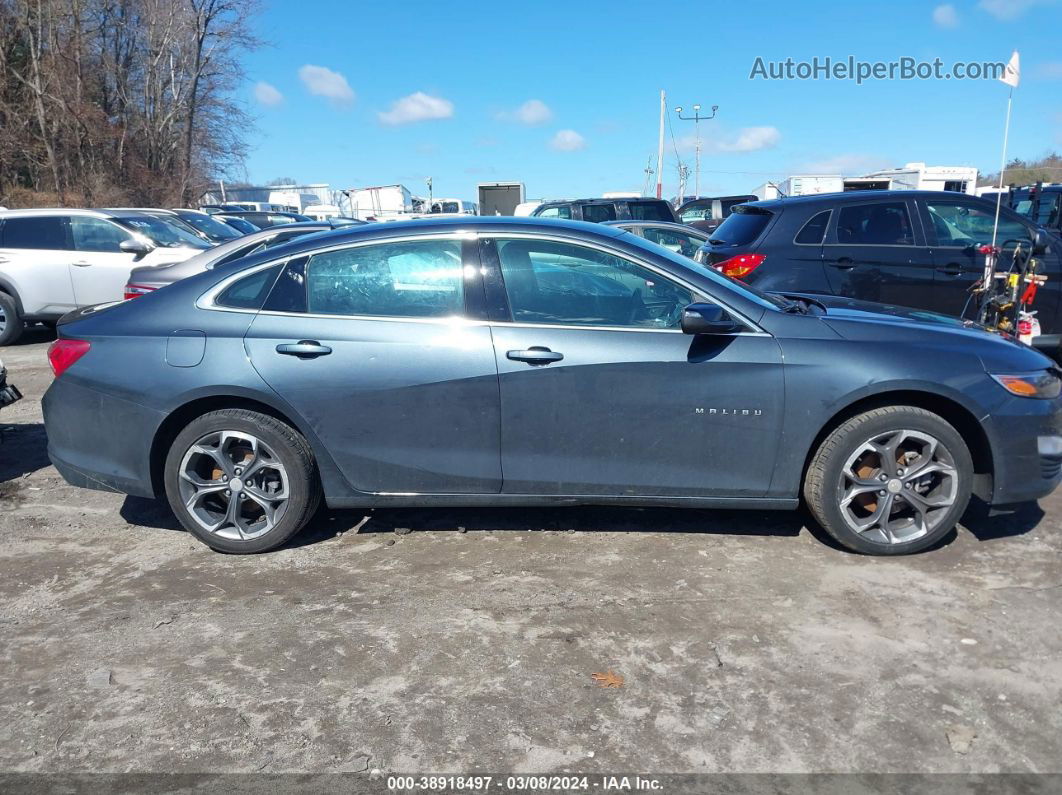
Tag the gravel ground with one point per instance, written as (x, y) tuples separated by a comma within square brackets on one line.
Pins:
[(743, 641)]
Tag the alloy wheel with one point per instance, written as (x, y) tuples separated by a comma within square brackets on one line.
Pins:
[(897, 486), (3, 320), (233, 485)]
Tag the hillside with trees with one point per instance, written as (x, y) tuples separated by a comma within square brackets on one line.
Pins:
[(120, 102), (1026, 172)]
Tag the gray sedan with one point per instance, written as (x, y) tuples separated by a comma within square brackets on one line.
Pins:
[(511, 361)]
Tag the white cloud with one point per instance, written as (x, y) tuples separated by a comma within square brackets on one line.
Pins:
[(747, 139), (323, 82), (267, 94), (849, 164), (534, 111), (417, 107), (1009, 10), (567, 141), (945, 16)]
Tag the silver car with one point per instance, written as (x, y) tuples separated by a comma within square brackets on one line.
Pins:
[(147, 279)]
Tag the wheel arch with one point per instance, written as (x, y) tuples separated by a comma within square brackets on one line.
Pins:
[(8, 287), (331, 479), (948, 409)]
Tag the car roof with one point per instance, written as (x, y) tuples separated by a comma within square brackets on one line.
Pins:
[(856, 196), (601, 200), (623, 224)]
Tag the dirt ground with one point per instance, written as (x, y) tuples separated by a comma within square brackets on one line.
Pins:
[(743, 641)]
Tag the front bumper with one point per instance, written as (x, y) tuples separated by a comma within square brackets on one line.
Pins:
[(1026, 439)]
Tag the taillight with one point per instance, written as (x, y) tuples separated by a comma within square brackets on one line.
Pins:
[(135, 290), (63, 353), (740, 266)]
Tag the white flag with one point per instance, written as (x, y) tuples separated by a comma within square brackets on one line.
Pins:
[(1012, 74)]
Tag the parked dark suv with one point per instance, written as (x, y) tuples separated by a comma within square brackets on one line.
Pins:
[(599, 210), (908, 248), (1041, 204)]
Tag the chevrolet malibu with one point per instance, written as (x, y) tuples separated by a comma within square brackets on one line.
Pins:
[(516, 362)]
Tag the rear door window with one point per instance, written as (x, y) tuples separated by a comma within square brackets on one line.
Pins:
[(598, 213), (742, 226), (879, 224), (421, 278), (650, 211), (249, 292), (35, 232)]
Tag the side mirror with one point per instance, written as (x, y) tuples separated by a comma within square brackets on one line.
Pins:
[(1040, 242), (707, 319), (134, 246)]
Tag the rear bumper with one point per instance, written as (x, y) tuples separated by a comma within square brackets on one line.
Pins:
[(1026, 439), (99, 441)]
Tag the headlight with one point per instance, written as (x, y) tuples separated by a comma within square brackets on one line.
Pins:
[(1043, 385)]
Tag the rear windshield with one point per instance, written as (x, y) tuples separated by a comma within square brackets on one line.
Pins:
[(1048, 211), (651, 211), (742, 226)]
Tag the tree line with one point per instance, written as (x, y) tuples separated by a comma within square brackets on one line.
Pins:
[(1027, 172), (120, 102)]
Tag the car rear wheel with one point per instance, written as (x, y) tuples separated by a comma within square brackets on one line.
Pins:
[(890, 481), (11, 325), (241, 481)]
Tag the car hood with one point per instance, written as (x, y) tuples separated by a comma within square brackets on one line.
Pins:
[(868, 321)]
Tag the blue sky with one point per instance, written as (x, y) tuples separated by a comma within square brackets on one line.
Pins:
[(565, 96)]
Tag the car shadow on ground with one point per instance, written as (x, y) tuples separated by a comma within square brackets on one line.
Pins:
[(35, 335), (23, 449), (328, 524)]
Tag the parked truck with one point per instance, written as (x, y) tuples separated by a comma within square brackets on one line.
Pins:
[(379, 203), (499, 198)]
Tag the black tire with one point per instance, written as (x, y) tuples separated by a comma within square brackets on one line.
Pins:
[(825, 487), (289, 448), (12, 323)]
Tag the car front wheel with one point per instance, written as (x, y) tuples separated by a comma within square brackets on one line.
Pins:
[(11, 325), (890, 481), (241, 481)]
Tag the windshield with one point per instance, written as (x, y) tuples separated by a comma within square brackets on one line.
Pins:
[(213, 229), (751, 293), (162, 233), (240, 224)]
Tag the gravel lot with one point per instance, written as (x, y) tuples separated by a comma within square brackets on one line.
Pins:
[(744, 642)]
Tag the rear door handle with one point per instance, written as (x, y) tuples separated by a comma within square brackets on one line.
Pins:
[(950, 270), (844, 263), (304, 349), (536, 354)]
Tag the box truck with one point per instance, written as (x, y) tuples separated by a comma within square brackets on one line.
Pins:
[(499, 198)]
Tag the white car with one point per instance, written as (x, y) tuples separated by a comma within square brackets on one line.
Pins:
[(53, 261)]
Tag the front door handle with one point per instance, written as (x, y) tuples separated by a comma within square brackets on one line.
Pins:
[(304, 349), (536, 354), (844, 264), (82, 263), (950, 270)]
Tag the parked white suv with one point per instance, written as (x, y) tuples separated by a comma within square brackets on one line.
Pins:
[(53, 261)]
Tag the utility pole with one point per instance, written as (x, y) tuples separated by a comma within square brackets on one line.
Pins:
[(648, 176), (660, 149), (427, 181), (696, 118)]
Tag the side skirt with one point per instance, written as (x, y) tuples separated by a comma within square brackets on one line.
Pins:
[(384, 499)]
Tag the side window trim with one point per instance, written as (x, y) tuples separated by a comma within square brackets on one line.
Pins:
[(472, 280)]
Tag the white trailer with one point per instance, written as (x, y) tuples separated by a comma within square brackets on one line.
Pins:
[(919, 176), (380, 202), (499, 198), (808, 184)]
